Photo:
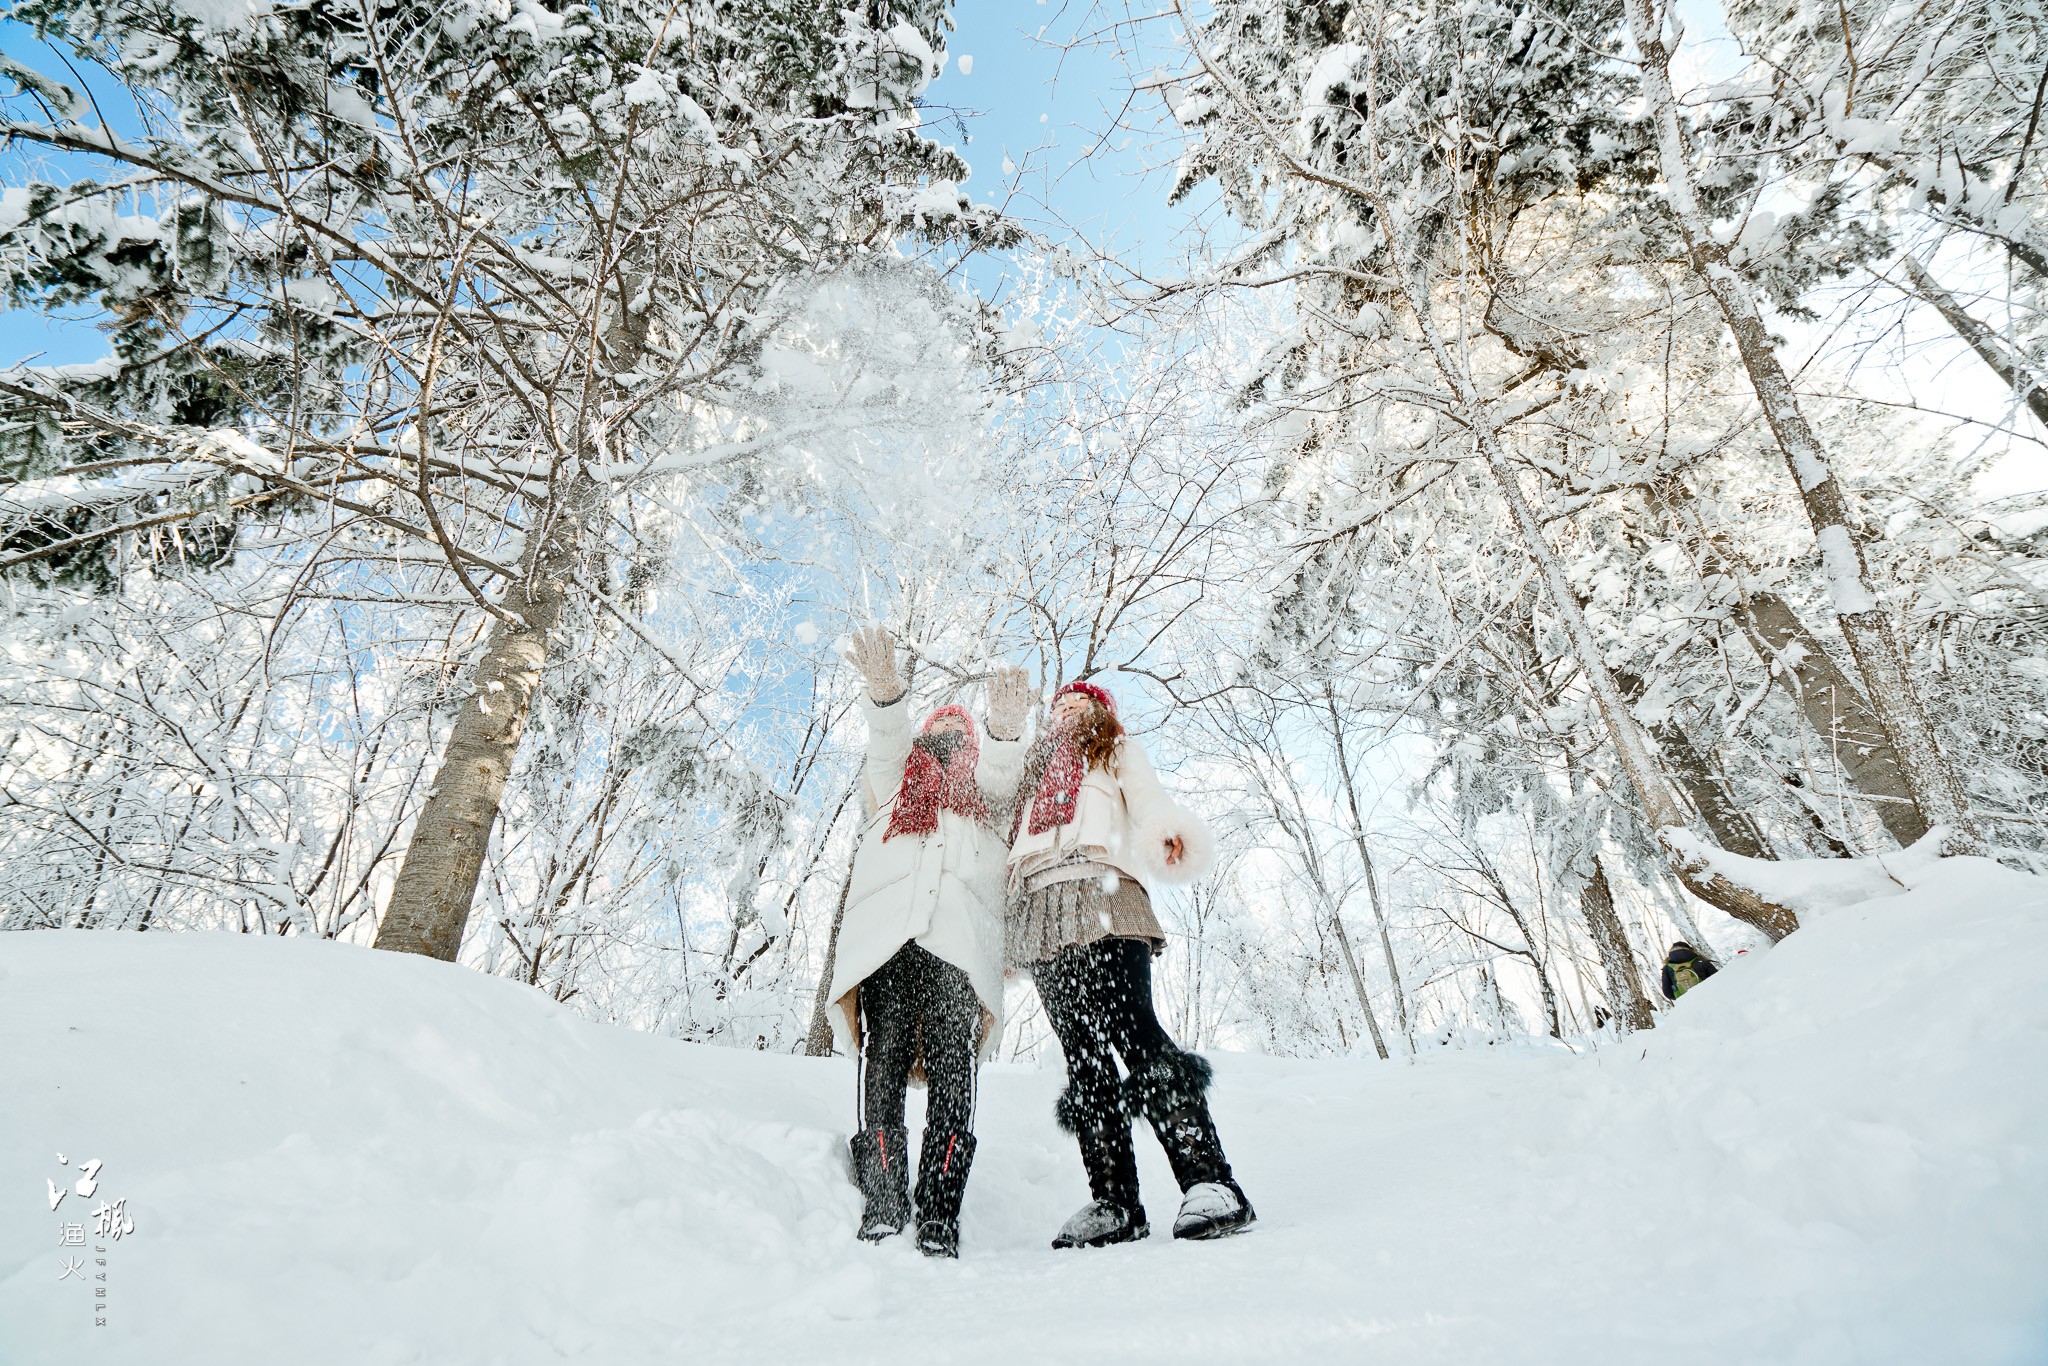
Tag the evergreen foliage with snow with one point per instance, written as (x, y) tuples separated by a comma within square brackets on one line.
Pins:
[(508, 407)]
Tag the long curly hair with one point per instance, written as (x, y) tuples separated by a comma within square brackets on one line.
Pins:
[(1098, 736)]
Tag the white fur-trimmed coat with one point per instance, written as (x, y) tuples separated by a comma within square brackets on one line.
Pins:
[(1125, 820), (943, 890)]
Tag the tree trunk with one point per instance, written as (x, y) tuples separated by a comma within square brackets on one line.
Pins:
[(818, 1041), (1800, 664), (1372, 879), (1732, 829), (1835, 708), (1887, 686), (1379, 1042), (1543, 983), (2025, 385), (1624, 989), (1489, 988), (431, 897), (1379, 915), (1659, 801)]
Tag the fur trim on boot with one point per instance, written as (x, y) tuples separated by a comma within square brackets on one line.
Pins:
[(1168, 1084), (1076, 1111)]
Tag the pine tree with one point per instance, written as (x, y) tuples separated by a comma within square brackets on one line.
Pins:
[(466, 282)]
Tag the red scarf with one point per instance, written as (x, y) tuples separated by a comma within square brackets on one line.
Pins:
[(929, 786), (1059, 787)]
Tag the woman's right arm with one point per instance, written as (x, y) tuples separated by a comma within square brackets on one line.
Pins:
[(888, 745), (874, 654)]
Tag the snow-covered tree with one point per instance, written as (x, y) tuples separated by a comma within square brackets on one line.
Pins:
[(472, 284)]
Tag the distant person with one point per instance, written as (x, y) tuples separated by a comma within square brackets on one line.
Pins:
[(1685, 968), (918, 976), (1093, 827)]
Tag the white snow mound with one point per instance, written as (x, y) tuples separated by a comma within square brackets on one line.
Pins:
[(1830, 1153)]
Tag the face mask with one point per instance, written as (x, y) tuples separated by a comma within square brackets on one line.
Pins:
[(941, 744)]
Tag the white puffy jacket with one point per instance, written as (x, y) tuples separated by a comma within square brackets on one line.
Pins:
[(1124, 820), (943, 890)]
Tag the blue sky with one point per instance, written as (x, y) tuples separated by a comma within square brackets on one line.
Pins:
[(1047, 92), (1016, 90), (1037, 97)]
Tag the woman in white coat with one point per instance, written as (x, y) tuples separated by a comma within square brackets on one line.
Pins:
[(1094, 828), (918, 975)]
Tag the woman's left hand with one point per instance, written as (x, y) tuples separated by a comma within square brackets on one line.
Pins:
[(1175, 850)]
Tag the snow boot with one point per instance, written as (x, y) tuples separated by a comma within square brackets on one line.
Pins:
[(1114, 1215), (1100, 1223), (1213, 1209), (881, 1168), (1172, 1091), (1212, 1204), (941, 1180)]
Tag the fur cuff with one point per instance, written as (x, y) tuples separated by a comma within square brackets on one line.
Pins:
[(1198, 846), (1074, 1112), (1167, 1085)]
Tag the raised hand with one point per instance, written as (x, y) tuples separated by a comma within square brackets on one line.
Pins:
[(874, 654), (1009, 698)]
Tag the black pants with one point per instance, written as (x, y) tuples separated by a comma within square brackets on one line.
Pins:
[(916, 1002), (1099, 1000)]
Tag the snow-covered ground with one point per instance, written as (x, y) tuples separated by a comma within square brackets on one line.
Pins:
[(1836, 1152)]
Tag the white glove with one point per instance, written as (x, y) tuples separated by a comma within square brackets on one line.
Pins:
[(874, 654), (1009, 698)]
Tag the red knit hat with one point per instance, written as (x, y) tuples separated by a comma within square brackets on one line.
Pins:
[(949, 710), (1100, 695)]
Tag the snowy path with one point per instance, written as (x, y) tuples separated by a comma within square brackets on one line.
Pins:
[(1834, 1153)]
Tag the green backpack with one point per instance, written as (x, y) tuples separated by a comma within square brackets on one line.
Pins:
[(1684, 977)]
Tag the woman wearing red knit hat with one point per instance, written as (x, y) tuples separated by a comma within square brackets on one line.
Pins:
[(918, 973), (1093, 829)]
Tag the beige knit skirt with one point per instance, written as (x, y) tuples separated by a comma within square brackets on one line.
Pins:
[(1077, 902)]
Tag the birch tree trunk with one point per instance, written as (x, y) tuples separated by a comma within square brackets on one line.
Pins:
[(1731, 829), (1624, 989), (1544, 985), (1834, 707), (1800, 664), (2025, 385), (1887, 686), (818, 1040), (1372, 878), (431, 897), (1372, 1023), (1659, 801)]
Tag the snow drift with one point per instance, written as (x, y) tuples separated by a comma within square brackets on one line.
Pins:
[(1830, 1153)]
